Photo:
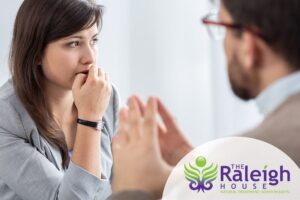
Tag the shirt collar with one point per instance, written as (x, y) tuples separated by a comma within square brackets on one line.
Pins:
[(277, 93)]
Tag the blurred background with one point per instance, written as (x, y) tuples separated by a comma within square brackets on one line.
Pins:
[(160, 48)]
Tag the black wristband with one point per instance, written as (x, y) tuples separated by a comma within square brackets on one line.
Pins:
[(97, 125)]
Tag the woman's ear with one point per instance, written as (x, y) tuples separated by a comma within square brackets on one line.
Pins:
[(39, 61)]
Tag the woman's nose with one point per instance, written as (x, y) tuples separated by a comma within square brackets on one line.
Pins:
[(88, 55)]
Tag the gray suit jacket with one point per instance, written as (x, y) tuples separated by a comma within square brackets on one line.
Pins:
[(281, 129), (30, 167)]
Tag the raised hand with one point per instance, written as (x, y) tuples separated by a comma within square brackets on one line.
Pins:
[(138, 164), (173, 143)]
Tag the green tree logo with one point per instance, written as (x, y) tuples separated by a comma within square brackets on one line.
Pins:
[(200, 175)]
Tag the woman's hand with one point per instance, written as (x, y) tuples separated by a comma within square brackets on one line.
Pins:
[(91, 94), (138, 164)]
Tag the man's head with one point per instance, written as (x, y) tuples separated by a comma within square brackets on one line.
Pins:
[(263, 46)]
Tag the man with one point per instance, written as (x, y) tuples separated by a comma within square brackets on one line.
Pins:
[(262, 46)]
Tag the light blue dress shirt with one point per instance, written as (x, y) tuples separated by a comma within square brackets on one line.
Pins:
[(274, 95)]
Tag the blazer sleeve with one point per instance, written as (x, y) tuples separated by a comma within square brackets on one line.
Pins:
[(31, 175), (131, 195)]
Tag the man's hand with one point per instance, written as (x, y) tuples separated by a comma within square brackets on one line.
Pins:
[(138, 164), (173, 144)]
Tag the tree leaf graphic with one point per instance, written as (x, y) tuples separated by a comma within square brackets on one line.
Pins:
[(191, 174), (210, 173)]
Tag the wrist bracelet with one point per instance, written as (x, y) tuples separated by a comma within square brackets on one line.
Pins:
[(98, 125)]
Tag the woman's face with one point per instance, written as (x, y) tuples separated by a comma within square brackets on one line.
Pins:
[(66, 57)]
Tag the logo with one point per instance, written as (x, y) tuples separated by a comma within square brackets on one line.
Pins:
[(236, 168), (200, 175)]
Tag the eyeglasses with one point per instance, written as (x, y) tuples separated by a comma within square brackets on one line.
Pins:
[(217, 29)]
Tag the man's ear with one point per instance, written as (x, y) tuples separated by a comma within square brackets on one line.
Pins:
[(250, 50)]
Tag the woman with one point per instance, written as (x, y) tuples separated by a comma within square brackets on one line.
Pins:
[(57, 113)]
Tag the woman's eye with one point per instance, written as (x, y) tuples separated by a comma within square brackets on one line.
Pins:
[(94, 41), (73, 44)]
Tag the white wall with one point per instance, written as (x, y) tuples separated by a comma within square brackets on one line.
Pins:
[(8, 10), (159, 47)]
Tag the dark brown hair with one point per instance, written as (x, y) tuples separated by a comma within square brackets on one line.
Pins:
[(38, 23), (277, 21)]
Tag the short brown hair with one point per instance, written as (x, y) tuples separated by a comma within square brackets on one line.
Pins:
[(277, 20)]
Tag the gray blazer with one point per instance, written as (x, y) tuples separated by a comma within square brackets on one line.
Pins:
[(30, 167), (281, 128)]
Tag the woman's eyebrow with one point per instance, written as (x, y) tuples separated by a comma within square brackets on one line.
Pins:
[(80, 37)]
